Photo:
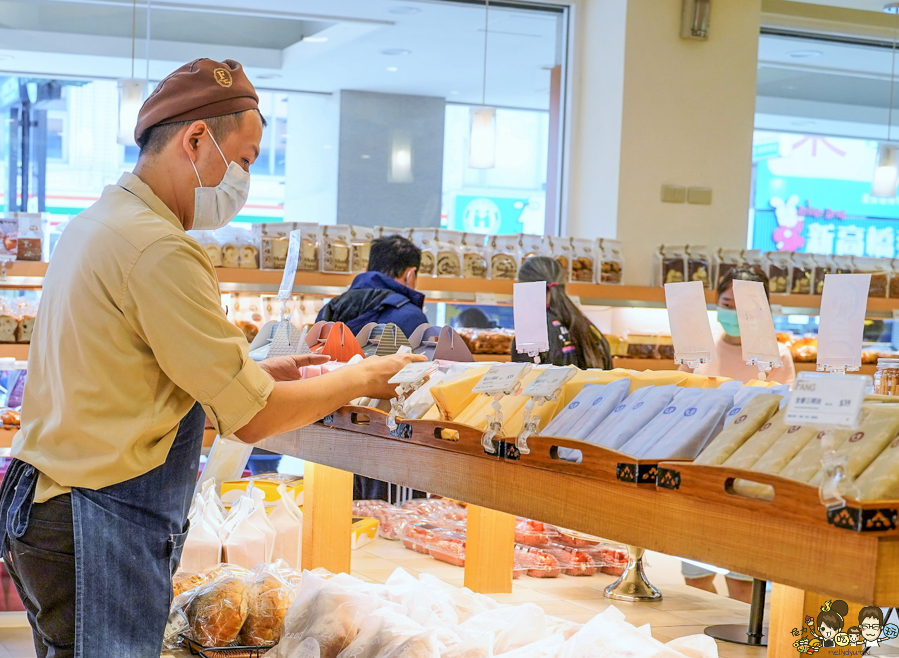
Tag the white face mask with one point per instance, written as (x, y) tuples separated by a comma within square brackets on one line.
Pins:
[(215, 206)]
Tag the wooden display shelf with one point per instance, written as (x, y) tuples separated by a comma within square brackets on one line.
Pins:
[(789, 549), (500, 358), (6, 436), (17, 351)]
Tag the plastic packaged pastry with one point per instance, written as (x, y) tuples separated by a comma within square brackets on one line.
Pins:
[(583, 260), (576, 539), (449, 253), (630, 416), (611, 269), (25, 326), (824, 265), (880, 270), (447, 546), (534, 533), (803, 270), (726, 260), (671, 264), (338, 245), (780, 264), (742, 423), (807, 461), (454, 395), (699, 265), (538, 563), (425, 240), (488, 341), (269, 598), (218, 611), (573, 562), (360, 246), (588, 409), (880, 480), (505, 257), (30, 236), (758, 444), (474, 257), (561, 253), (533, 245)]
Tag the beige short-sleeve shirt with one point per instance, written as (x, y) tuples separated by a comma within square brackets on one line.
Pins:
[(130, 331)]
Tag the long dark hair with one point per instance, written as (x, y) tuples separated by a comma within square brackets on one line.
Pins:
[(587, 339)]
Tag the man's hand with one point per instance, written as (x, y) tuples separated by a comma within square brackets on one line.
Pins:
[(287, 368), (376, 370)]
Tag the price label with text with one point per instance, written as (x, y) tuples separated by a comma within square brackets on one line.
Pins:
[(501, 378), (825, 399), (548, 382), (413, 372), (485, 299)]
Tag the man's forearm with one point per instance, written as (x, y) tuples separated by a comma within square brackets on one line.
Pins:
[(296, 404)]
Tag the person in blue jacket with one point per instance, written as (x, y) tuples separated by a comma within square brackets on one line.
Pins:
[(385, 293)]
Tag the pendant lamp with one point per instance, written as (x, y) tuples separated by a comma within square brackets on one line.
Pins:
[(132, 91), (886, 167), (482, 140)]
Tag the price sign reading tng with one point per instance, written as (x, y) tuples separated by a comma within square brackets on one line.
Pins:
[(413, 372), (548, 382), (826, 399), (502, 378)]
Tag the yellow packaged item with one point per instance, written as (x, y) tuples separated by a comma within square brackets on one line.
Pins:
[(432, 414), (756, 445), (880, 481), (545, 411), (658, 378), (267, 483), (454, 396), (363, 531), (739, 428), (878, 428), (478, 412)]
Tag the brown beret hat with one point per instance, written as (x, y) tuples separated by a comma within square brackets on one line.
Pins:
[(201, 89)]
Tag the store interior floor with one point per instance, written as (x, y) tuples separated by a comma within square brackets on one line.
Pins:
[(682, 611)]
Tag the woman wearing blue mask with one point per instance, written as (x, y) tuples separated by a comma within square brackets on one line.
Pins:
[(730, 363)]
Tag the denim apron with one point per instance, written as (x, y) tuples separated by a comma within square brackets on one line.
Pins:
[(128, 542)]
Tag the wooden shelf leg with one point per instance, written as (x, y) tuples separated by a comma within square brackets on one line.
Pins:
[(327, 518), (489, 551), (789, 609)]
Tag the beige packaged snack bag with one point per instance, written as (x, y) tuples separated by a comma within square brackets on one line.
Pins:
[(561, 252), (424, 239), (699, 266), (360, 244), (611, 268), (880, 481), (504, 260), (739, 428), (474, 257), (751, 451), (449, 253), (337, 248), (779, 271), (533, 245), (879, 427), (804, 465), (785, 448), (583, 260)]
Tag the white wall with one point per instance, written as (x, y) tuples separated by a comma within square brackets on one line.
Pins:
[(310, 193)]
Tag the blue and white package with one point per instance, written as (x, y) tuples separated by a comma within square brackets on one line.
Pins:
[(628, 417), (685, 431), (587, 409)]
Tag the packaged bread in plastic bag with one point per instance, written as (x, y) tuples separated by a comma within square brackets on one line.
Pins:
[(454, 394), (875, 432), (880, 481), (757, 444), (425, 240), (328, 613), (742, 422), (512, 626), (269, 598), (807, 461), (776, 458), (588, 409), (630, 416), (287, 521), (381, 633), (218, 610)]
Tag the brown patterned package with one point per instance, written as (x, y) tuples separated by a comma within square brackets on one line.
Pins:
[(504, 260), (424, 239)]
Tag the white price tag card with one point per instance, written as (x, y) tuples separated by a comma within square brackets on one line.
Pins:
[(529, 312), (689, 320), (548, 382), (412, 372), (826, 399), (501, 378), (842, 322), (756, 324), (290, 266)]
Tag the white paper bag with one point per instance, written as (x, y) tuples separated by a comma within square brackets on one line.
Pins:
[(287, 520), (243, 543), (259, 518), (202, 548)]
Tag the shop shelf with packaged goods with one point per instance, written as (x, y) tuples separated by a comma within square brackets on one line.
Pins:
[(668, 364)]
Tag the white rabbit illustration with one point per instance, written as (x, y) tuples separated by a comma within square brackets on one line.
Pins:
[(786, 213)]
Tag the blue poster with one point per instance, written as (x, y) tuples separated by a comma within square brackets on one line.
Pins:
[(489, 215), (813, 194)]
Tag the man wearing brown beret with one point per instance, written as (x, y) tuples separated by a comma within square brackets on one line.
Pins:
[(131, 351)]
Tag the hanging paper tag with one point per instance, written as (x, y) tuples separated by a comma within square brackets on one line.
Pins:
[(756, 325), (501, 378), (412, 372), (548, 382), (842, 322), (290, 266), (529, 311), (689, 320), (826, 399)]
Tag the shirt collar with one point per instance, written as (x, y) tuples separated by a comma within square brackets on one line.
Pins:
[(143, 192)]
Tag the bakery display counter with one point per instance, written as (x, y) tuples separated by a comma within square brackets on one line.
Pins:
[(790, 544), (668, 364)]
